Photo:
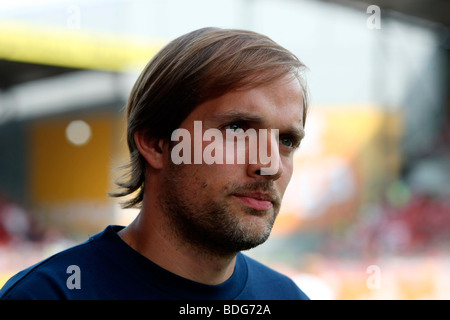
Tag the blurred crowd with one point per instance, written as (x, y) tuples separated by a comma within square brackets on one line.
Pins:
[(17, 225), (420, 226), (24, 240)]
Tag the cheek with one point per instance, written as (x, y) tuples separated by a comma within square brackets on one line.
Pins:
[(210, 178), (221, 178), (283, 181)]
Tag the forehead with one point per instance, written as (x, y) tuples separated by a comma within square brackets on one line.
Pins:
[(277, 104)]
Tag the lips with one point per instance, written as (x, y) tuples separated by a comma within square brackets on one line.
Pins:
[(256, 200)]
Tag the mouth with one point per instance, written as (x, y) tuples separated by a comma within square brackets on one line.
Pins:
[(256, 200)]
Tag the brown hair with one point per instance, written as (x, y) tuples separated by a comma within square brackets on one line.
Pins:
[(198, 66)]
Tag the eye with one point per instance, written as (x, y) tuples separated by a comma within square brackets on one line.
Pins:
[(235, 127), (289, 142)]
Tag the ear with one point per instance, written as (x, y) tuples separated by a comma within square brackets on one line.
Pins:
[(150, 148)]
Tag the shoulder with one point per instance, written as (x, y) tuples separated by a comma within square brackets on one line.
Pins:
[(271, 283), (48, 278)]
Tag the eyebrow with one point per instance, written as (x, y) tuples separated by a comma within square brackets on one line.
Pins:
[(234, 115), (239, 116)]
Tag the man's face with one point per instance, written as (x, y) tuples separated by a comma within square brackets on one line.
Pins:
[(228, 207)]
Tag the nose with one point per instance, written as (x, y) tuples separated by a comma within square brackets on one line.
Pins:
[(268, 161)]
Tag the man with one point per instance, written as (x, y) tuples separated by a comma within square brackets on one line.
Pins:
[(216, 86)]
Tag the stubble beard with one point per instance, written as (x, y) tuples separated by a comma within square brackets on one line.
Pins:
[(212, 226)]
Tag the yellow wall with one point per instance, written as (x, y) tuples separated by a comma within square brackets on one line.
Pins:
[(61, 171), (69, 183)]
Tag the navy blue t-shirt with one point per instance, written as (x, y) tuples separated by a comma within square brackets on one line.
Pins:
[(105, 267)]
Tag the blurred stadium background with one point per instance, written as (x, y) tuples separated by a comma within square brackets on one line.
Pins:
[(367, 213)]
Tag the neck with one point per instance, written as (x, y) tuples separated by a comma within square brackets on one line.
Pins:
[(152, 236)]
